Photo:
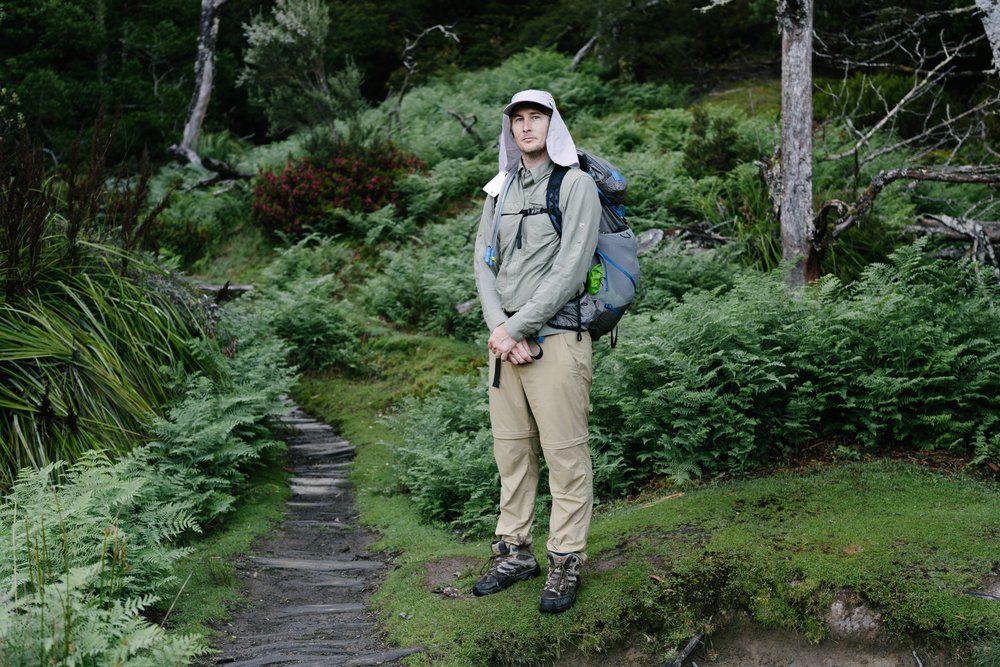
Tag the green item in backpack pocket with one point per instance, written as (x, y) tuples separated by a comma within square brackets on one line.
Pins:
[(594, 279)]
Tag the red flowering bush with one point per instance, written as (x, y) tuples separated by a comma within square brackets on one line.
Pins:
[(301, 197)]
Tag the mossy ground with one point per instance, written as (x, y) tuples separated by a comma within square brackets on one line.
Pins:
[(901, 538)]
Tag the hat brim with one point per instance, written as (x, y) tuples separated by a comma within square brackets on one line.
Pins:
[(528, 98)]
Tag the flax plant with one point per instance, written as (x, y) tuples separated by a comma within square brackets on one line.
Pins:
[(92, 336)]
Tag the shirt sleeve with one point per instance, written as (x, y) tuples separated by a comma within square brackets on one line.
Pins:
[(486, 280), (581, 219)]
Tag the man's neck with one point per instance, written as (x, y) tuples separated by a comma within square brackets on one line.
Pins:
[(532, 161)]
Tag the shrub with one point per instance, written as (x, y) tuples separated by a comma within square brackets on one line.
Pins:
[(318, 329), (703, 387), (725, 382), (199, 221), (717, 144), (421, 285), (302, 196), (296, 296), (732, 379), (221, 427), (85, 549), (446, 463), (671, 273)]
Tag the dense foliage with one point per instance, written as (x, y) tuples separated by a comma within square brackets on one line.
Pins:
[(58, 54), (87, 329), (303, 197), (131, 412), (298, 297), (737, 376), (720, 370), (87, 547)]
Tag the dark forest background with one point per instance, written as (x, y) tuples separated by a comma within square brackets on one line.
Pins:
[(63, 59)]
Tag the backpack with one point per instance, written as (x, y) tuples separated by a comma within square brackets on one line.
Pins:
[(615, 275), (612, 281)]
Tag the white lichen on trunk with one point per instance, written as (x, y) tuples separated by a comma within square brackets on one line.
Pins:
[(991, 24), (204, 76), (795, 19)]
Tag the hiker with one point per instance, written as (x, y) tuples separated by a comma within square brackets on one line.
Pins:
[(530, 278)]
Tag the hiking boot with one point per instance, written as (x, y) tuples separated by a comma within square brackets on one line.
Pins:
[(562, 584), (509, 564)]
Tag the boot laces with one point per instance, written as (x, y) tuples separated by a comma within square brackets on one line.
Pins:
[(559, 573)]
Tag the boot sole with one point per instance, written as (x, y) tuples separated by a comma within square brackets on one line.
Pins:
[(556, 606), (530, 574), (559, 605)]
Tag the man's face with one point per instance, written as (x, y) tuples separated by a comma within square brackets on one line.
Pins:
[(529, 126)]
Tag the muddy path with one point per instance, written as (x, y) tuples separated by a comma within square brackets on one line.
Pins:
[(309, 583)]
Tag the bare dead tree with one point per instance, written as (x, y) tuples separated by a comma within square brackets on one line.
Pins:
[(584, 50), (795, 18), (917, 125), (991, 24), (410, 65), (942, 129), (204, 76), (932, 52)]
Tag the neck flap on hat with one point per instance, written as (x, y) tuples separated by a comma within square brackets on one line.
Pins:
[(558, 142)]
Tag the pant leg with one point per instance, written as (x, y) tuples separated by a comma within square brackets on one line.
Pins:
[(557, 388), (516, 450)]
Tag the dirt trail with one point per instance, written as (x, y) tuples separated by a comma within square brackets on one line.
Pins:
[(310, 582)]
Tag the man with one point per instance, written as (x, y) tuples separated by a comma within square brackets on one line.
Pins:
[(530, 278)]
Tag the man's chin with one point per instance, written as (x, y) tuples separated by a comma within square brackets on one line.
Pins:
[(534, 154)]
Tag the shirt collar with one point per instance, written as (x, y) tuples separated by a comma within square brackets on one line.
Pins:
[(536, 173)]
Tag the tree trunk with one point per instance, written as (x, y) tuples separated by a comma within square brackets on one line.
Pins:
[(991, 23), (101, 19), (204, 75), (795, 18)]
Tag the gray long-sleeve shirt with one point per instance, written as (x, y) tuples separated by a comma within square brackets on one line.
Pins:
[(536, 280)]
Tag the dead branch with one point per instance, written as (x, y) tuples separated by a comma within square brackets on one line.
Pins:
[(946, 126), (204, 77), (918, 90), (584, 50), (982, 250), (888, 31), (467, 126), (223, 173), (850, 215), (682, 656), (410, 65), (932, 224)]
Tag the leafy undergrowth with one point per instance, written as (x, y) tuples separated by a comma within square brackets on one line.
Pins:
[(205, 587), (894, 536)]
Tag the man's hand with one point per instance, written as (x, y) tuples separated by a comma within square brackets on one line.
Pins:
[(506, 348)]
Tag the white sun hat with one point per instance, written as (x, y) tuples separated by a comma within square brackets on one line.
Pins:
[(558, 142)]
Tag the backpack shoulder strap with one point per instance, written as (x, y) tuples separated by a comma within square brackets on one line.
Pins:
[(552, 196)]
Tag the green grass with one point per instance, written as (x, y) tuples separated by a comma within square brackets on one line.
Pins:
[(240, 258), (759, 97), (211, 590), (904, 540)]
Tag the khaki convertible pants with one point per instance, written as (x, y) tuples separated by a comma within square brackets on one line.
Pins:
[(544, 406)]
